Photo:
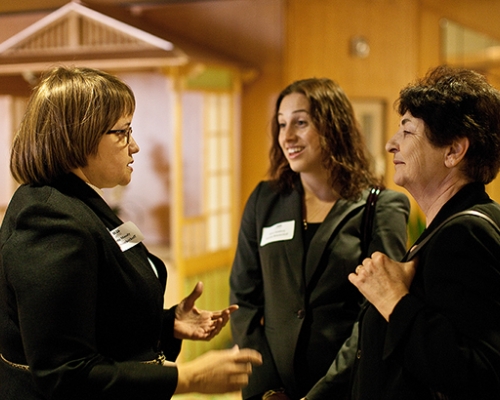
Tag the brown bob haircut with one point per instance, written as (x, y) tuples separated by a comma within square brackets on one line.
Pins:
[(343, 146), (456, 103), (67, 115)]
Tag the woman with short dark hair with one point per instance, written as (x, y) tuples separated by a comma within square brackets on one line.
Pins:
[(432, 330)]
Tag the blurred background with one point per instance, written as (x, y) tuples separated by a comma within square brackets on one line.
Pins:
[(206, 74)]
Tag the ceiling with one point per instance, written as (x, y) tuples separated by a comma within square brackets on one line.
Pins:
[(244, 31), (17, 6)]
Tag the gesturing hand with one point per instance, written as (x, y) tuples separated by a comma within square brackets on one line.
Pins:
[(194, 324), (383, 281), (217, 371)]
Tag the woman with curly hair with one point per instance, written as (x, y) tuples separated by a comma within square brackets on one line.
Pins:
[(302, 234)]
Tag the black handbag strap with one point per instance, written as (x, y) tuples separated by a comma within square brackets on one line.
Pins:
[(458, 214), (368, 216)]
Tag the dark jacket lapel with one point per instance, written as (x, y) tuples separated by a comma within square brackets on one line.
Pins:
[(330, 226), (292, 205), (73, 186)]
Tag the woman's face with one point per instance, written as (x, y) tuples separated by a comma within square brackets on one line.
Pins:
[(298, 137), (419, 166), (111, 167)]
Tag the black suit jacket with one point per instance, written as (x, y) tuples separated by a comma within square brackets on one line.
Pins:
[(74, 307), (297, 308), (442, 340)]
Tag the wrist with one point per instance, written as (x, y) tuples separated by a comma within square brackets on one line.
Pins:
[(386, 307), (182, 380)]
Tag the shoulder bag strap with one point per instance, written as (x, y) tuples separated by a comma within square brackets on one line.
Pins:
[(466, 212), (368, 216)]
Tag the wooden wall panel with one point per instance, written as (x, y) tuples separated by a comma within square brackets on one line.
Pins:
[(404, 37), (318, 44), (480, 15)]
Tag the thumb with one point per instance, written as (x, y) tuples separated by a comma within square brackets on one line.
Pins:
[(411, 266), (235, 349), (193, 296)]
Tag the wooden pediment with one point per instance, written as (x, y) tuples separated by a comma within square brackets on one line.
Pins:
[(75, 33)]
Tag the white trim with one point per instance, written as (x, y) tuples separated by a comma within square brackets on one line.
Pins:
[(116, 64), (91, 14)]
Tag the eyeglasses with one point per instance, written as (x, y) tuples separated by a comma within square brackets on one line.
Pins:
[(125, 133)]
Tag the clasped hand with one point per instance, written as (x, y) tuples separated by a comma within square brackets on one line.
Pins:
[(192, 323), (383, 281)]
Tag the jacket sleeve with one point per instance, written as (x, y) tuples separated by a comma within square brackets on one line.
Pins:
[(247, 291), (51, 261), (389, 236), (170, 346), (335, 384), (390, 225), (448, 337)]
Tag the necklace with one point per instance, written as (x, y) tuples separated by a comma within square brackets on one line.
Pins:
[(315, 211)]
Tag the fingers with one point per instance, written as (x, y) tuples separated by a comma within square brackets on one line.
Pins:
[(210, 335), (225, 313), (239, 378), (237, 382), (409, 269), (218, 371), (220, 320), (250, 356), (245, 355), (193, 296), (368, 265), (246, 359), (232, 308), (367, 269), (354, 278), (244, 362), (411, 266)]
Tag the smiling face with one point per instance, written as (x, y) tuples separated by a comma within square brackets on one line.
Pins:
[(419, 166), (298, 137), (110, 167)]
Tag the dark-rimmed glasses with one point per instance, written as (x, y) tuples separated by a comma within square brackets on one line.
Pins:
[(122, 132)]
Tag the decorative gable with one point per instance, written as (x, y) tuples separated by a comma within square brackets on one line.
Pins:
[(77, 33)]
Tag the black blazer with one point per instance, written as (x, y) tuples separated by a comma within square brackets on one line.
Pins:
[(75, 308), (443, 338), (298, 307)]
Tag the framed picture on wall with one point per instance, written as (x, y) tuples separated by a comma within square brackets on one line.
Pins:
[(371, 116)]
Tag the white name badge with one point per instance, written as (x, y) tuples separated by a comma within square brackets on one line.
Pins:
[(127, 235), (278, 232)]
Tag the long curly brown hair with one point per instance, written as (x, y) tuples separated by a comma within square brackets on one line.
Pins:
[(344, 150)]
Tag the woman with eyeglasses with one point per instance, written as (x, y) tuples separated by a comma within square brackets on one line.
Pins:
[(81, 298)]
